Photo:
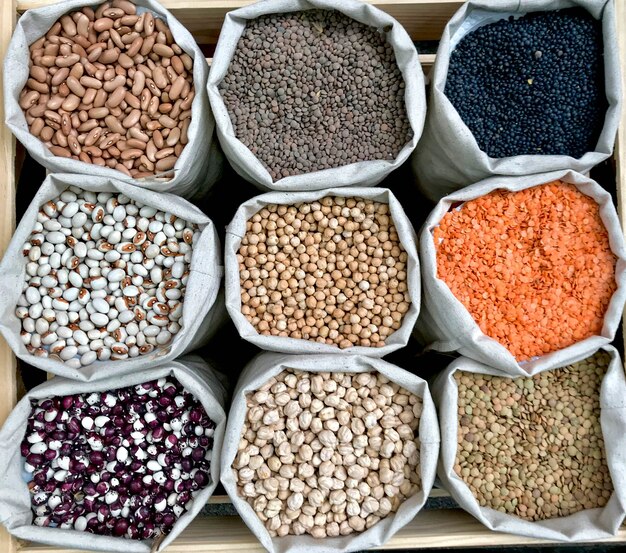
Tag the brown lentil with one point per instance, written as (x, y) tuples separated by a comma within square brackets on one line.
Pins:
[(313, 90), (533, 447), (90, 71), (328, 454), (331, 271)]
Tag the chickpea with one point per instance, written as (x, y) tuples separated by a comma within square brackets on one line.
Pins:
[(320, 255), (327, 454)]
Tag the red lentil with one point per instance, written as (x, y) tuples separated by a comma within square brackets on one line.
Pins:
[(534, 268)]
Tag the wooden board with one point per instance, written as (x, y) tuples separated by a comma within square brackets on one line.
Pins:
[(424, 19), (620, 148), (452, 528), (8, 366)]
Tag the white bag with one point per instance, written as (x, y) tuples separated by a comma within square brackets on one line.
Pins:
[(447, 322), (236, 230), (199, 164), (364, 173), (265, 366), (198, 322), (586, 525), (448, 157), (15, 499)]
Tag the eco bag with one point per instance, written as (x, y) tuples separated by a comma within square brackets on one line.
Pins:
[(585, 525), (236, 230), (199, 320), (448, 157), (267, 365), (364, 173), (197, 378), (200, 162), (446, 325)]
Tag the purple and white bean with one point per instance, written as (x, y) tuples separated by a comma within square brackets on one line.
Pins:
[(113, 463)]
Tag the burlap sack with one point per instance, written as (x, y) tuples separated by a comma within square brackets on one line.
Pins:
[(449, 326), (236, 231), (586, 525), (448, 157), (267, 365), (200, 163), (15, 502), (364, 173), (199, 320)]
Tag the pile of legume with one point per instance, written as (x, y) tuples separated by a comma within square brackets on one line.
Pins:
[(534, 268), (105, 278), (533, 447), (532, 85), (119, 463), (331, 271), (111, 87), (328, 454), (314, 90)]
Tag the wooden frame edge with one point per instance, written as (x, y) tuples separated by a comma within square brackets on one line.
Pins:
[(8, 365), (452, 528), (620, 146)]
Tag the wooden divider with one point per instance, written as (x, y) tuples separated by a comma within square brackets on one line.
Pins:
[(8, 365), (423, 19)]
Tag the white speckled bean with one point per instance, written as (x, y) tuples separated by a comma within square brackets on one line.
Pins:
[(70, 294), (101, 305), (64, 332), (130, 291), (116, 275), (74, 278), (98, 283), (178, 269), (32, 295), (68, 352), (55, 237), (99, 319), (80, 249)]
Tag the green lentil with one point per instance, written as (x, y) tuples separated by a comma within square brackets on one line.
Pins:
[(543, 456)]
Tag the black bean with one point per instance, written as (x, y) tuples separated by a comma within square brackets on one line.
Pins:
[(532, 85)]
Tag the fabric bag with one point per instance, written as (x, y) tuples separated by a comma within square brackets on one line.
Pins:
[(199, 320), (586, 525), (267, 365), (448, 157), (364, 173), (192, 372), (447, 325), (236, 230), (200, 162)]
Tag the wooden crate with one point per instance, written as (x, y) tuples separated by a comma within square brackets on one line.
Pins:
[(424, 20)]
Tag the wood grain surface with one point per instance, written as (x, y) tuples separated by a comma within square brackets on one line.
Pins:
[(8, 382), (423, 19)]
